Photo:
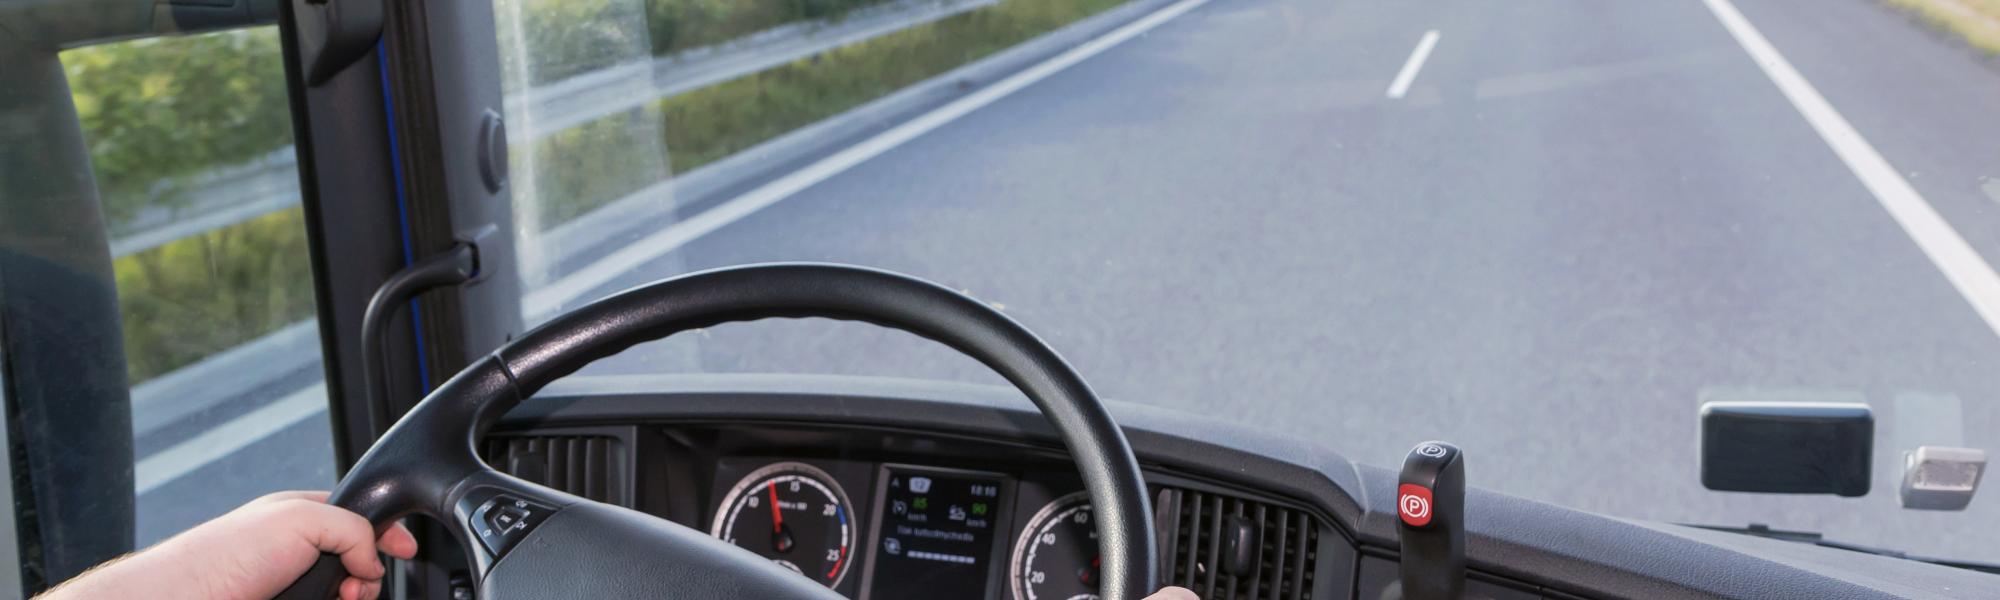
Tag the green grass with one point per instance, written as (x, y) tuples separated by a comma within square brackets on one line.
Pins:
[(584, 167), (197, 296), (1976, 21), (710, 123), (568, 37)]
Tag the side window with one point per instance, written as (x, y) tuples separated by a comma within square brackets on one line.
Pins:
[(190, 143)]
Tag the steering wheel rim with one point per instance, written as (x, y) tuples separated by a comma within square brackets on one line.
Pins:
[(428, 462)]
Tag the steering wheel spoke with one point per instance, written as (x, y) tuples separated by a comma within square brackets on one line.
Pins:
[(492, 512), (534, 542)]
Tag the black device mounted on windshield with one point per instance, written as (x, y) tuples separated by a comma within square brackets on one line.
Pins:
[(1787, 447)]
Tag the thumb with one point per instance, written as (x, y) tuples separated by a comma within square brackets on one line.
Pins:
[(1174, 593)]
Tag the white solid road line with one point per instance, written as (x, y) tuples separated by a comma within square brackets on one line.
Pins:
[(180, 459), (1416, 63), (1967, 271), (549, 298), (228, 438)]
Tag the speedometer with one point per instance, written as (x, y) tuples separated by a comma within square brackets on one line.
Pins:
[(1056, 557), (795, 515)]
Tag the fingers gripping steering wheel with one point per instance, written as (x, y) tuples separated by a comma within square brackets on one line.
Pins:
[(529, 541)]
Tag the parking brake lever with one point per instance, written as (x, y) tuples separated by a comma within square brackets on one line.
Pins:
[(1430, 502)]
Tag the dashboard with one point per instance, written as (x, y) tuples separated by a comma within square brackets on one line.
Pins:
[(887, 489), (892, 514)]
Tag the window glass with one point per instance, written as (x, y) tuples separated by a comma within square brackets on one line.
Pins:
[(190, 142), (570, 71), (1361, 224)]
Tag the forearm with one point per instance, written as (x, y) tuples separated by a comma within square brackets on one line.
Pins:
[(136, 575)]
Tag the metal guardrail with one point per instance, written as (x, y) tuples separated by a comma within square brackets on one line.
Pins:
[(283, 400), (238, 193), (218, 199), (598, 94)]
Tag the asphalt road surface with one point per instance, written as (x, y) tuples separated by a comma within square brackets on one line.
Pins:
[(1580, 220)]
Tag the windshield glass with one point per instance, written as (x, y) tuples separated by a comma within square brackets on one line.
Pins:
[(1546, 232)]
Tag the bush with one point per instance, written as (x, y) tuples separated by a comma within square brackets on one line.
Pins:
[(201, 295), (156, 112)]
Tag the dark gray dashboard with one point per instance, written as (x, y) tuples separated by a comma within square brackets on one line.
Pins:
[(675, 441)]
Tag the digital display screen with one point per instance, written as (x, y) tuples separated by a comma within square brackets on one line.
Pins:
[(937, 534)]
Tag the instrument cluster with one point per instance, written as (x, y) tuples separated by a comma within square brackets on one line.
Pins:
[(919, 531)]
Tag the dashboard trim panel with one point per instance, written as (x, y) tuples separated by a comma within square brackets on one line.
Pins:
[(1519, 543)]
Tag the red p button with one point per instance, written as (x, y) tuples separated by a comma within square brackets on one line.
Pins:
[(1413, 503)]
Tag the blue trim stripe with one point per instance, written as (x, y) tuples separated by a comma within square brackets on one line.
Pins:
[(402, 209)]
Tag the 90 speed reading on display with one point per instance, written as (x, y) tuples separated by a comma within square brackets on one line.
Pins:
[(794, 514)]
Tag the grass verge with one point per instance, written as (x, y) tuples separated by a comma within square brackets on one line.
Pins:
[(1976, 21), (708, 124), (713, 122)]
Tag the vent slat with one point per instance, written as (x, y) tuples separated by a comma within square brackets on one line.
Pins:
[(1191, 572), (584, 466), (1236, 509), (596, 461), (1278, 536), (1282, 552), (1223, 578), (558, 461), (532, 463), (578, 465), (1214, 546), (1300, 568), (1257, 556), (1167, 513)]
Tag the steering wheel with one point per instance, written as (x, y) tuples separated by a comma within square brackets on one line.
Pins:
[(529, 541)]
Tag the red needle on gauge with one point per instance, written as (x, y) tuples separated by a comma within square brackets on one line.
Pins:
[(781, 539), (777, 518)]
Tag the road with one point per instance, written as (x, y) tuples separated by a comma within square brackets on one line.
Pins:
[(1580, 220)]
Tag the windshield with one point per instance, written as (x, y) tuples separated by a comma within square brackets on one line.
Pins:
[(1546, 232)]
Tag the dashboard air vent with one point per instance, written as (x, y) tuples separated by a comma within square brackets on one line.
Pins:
[(1229, 548), (581, 465)]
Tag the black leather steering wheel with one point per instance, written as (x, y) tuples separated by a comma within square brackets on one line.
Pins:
[(553, 545)]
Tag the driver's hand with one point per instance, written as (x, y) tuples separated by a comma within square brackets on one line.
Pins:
[(1174, 593), (253, 552)]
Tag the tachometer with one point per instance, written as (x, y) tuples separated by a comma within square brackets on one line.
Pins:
[(1056, 557), (795, 515)]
